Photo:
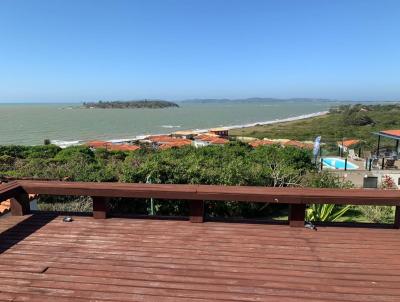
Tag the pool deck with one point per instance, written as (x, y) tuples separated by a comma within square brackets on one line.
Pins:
[(44, 259)]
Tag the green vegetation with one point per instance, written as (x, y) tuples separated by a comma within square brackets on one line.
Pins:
[(346, 121), (152, 104), (325, 212), (232, 164), (378, 214)]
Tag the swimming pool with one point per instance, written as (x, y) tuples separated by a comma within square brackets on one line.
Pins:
[(338, 163)]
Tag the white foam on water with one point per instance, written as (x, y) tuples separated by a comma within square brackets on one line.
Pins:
[(288, 119), (64, 144), (170, 126)]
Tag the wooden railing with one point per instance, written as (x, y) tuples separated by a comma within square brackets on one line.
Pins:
[(297, 198)]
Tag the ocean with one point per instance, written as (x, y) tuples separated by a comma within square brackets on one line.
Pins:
[(30, 124)]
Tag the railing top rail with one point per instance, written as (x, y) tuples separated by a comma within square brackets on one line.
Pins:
[(212, 192), (297, 198)]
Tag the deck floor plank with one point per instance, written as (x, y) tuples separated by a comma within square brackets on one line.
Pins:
[(45, 259)]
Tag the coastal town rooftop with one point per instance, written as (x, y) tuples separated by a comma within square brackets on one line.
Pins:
[(43, 258)]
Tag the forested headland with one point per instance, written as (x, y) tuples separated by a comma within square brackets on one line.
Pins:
[(151, 104)]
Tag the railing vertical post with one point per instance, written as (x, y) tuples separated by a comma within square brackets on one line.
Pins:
[(397, 218), (297, 214), (383, 163), (20, 204), (196, 210), (100, 207), (345, 164), (370, 164)]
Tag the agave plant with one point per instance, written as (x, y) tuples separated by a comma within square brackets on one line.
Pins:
[(325, 212)]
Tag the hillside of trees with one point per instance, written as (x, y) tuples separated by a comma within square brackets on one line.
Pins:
[(343, 122), (151, 104)]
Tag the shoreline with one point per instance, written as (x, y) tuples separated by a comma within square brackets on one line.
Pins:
[(64, 143), (277, 121)]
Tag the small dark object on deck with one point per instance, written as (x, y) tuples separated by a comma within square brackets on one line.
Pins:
[(67, 219), (311, 226)]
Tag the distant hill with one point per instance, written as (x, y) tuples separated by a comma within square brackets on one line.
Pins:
[(255, 100), (152, 104)]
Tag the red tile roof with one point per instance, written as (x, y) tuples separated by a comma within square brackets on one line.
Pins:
[(391, 132), (206, 136), (168, 139), (212, 138), (176, 144), (98, 144), (111, 146), (349, 142)]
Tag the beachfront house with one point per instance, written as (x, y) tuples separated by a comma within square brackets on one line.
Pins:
[(186, 134), (221, 132)]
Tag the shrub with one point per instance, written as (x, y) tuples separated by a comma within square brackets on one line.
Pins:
[(75, 153), (14, 151), (43, 152), (65, 203), (378, 214), (388, 182)]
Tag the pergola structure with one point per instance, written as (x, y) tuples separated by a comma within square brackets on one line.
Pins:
[(391, 134)]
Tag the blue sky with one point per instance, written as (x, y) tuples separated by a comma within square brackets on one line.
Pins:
[(73, 51)]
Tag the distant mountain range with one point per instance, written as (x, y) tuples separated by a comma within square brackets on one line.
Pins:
[(257, 100)]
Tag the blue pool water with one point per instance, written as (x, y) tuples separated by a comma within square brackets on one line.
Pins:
[(337, 163)]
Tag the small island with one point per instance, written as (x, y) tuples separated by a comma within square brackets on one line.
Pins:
[(151, 104)]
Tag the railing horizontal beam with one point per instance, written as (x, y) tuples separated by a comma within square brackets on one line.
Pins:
[(298, 198), (211, 192)]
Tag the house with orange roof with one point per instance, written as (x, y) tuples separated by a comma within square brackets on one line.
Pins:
[(111, 147), (98, 144), (206, 139), (162, 139), (221, 131), (188, 134), (167, 141), (176, 144), (346, 144)]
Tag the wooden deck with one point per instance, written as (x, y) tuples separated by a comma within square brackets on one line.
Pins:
[(45, 259)]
